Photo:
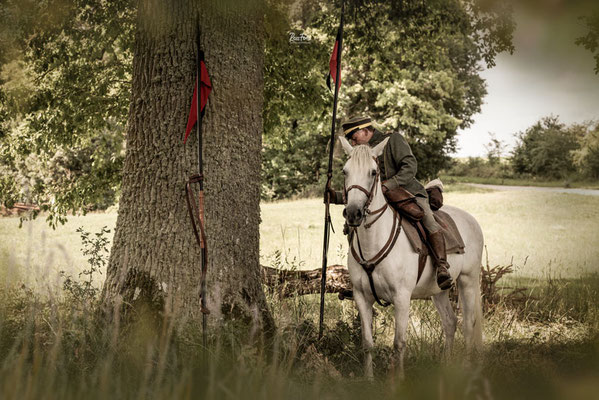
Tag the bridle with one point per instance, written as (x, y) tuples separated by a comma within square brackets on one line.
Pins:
[(369, 265), (369, 196), (369, 193)]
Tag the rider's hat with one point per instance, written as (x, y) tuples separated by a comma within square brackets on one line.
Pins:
[(354, 124)]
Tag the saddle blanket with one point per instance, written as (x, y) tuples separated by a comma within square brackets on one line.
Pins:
[(454, 244)]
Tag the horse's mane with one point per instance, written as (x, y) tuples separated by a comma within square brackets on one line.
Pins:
[(361, 156)]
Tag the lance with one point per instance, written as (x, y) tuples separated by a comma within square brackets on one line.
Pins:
[(327, 216), (196, 212), (201, 197)]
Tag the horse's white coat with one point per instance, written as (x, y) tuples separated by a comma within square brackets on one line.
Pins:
[(395, 277)]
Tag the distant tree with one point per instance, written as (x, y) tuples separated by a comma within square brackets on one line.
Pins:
[(587, 157), (495, 149), (546, 149), (590, 41)]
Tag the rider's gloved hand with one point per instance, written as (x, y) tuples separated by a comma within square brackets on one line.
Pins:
[(330, 194), (384, 187)]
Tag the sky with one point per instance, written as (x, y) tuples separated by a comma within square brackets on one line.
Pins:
[(548, 74)]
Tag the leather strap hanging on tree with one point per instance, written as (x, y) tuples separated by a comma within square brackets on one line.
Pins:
[(196, 213)]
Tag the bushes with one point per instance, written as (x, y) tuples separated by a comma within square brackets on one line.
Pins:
[(479, 167), (545, 149), (586, 158)]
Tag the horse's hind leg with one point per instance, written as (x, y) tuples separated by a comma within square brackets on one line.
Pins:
[(448, 319), (365, 311), (469, 290), (402, 317)]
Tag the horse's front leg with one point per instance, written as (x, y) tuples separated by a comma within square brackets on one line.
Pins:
[(365, 311), (402, 316)]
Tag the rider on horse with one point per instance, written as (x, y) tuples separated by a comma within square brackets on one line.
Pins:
[(398, 168)]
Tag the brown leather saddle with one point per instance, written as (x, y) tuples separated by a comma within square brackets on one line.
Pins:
[(454, 244)]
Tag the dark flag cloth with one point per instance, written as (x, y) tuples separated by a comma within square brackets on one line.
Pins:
[(333, 63), (205, 89)]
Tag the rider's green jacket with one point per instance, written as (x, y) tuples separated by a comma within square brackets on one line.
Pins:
[(397, 164)]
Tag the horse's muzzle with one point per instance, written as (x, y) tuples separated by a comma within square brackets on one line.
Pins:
[(353, 215)]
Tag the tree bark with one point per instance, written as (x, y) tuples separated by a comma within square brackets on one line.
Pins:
[(154, 257)]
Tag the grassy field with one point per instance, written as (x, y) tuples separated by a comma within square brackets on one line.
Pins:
[(587, 184), (542, 342), (545, 234)]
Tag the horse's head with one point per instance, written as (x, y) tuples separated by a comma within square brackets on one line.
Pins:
[(361, 179)]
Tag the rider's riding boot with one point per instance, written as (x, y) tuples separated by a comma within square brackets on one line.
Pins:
[(438, 246)]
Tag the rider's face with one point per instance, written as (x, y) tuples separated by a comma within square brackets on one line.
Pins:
[(361, 137)]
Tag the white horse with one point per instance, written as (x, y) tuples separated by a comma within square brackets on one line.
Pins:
[(395, 275)]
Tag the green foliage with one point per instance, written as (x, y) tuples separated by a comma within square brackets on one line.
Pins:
[(295, 113), (590, 41), (545, 149), (67, 96), (479, 167), (96, 248), (495, 149), (586, 157), (548, 150), (412, 66), (65, 83)]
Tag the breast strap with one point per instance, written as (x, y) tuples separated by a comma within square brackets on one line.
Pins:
[(369, 265)]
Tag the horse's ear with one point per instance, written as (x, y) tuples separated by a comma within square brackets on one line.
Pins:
[(378, 149), (346, 146)]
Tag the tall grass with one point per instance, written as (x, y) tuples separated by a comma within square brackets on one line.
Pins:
[(542, 342), (56, 346)]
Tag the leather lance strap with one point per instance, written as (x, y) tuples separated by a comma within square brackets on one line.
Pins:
[(370, 265), (196, 212)]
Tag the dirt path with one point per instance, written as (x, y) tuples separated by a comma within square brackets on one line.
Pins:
[(589, 192)]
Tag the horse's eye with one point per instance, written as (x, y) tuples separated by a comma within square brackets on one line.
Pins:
[(344, 172), (373, 172)]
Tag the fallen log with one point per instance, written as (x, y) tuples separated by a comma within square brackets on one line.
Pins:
[(18, 209), (288, 283)]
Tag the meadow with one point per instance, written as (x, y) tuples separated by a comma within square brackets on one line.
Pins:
[(541, 332), (542, 234)]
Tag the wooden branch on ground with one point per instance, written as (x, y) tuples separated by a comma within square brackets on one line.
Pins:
[(18, 209), (293, 283)]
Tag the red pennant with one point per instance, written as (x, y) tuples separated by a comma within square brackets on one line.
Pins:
[(205, 89), (333, 64)]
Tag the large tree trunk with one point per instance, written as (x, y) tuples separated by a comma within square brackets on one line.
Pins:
[(154, 256)]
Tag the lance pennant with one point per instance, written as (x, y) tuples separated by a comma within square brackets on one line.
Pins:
[(205, 89), (333, 62)]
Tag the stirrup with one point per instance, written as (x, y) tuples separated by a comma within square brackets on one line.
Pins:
[(444, 280)]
